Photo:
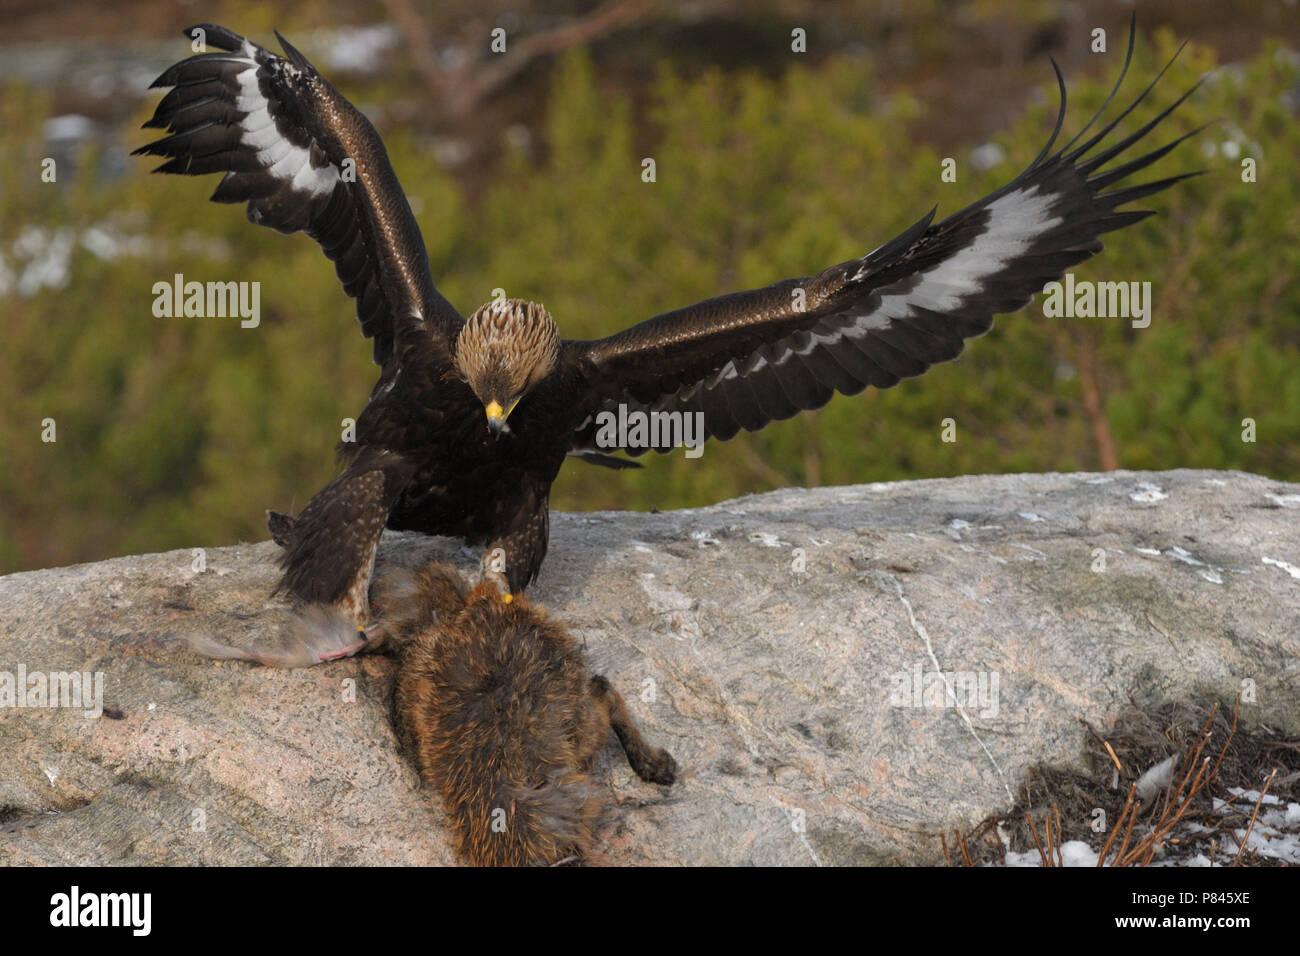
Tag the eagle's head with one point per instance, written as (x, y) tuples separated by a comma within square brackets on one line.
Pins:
[(503, 351)]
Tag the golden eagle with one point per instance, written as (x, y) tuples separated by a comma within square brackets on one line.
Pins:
[(433, 450)]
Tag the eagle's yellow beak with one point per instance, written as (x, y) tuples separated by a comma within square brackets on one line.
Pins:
[(496, 416)]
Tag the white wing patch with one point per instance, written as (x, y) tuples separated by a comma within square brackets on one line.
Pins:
[(1015, 221), (283, 159)]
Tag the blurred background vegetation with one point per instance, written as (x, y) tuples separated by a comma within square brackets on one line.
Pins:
[(525, 174)]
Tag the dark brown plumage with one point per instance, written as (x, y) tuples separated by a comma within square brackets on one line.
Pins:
[(496, 704), (284, 137)]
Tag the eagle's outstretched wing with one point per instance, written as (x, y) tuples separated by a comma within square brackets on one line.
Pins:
[(749, 358), (304, 159)]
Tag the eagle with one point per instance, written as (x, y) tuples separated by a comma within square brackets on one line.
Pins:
[(472, 417)]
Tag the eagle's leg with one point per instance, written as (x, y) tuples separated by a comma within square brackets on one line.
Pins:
[(330, 553), (492, 568), (328, 560), (282, 528), (513, 558)]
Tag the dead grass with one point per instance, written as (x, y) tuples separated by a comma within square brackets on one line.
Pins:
[(1177, 820)]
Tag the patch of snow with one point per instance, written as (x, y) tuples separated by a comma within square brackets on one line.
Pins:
[(1077, 853), (107, 243), (48, 256), (1025, 547), (69, 126), (362, 49), (1185, 556), (1073, 853), (986, 156), (1289, 568), (1147, 493), (1253, 796)]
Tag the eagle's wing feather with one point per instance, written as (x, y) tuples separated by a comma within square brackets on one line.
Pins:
[(749, 358), (304, 159)]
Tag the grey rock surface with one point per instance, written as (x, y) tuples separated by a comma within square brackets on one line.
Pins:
[(781, 646)]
